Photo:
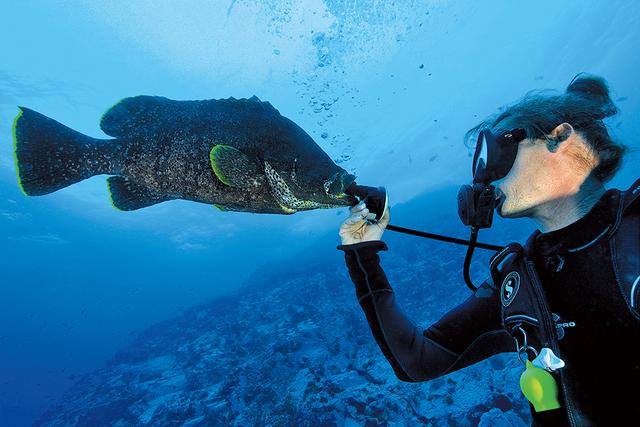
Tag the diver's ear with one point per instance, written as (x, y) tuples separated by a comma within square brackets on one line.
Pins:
[(558, 135)]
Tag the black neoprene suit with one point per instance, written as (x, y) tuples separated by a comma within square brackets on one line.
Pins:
[(590, 272)]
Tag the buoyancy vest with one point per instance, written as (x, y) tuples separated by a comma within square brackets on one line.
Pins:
[(530, 299)]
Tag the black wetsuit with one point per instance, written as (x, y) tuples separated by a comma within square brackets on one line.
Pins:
[(590, 273)]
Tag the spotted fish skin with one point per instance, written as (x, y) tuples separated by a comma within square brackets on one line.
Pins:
[(237, 154)]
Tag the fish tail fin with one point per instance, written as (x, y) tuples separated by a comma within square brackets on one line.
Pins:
[(50, 156)]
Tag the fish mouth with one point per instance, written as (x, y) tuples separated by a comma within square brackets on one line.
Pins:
[(336, 185), (289, 202), (346, 200)]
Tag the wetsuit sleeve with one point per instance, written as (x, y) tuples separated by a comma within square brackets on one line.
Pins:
[(465, 335)]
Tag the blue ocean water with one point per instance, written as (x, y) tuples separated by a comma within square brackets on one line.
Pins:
[(387, 89)]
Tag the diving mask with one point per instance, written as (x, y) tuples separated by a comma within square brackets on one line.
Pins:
[(493, 158), (495, 155)]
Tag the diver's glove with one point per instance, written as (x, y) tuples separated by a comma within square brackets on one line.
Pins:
[(361, 226)]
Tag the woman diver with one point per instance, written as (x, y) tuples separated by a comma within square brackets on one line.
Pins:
[(566, 301)]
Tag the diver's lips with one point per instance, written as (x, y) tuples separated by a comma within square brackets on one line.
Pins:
[(499, 199)]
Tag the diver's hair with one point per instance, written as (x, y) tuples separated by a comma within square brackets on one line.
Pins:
[(584, 105)]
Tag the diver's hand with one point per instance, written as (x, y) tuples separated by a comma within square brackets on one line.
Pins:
[(361, 225)]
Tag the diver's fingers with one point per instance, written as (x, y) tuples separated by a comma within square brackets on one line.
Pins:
[(351, 222), (357, 217), (357, 208), (352, 228), (386, 216), (360, 205), (361, 214)]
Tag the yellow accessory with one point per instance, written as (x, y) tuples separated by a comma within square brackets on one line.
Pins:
[(540, 388)]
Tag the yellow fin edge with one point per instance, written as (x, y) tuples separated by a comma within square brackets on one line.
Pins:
[(214, 165), (15, 150)]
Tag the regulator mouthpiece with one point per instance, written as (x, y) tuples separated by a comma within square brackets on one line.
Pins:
[(375, 198)]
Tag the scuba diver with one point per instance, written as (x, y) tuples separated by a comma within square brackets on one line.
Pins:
[(566, 302)]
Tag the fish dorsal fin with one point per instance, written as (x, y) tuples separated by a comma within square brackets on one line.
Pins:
[(150, 115), (133, 115), (253, 101)]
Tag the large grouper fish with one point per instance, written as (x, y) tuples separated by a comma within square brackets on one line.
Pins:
[(237, 154)]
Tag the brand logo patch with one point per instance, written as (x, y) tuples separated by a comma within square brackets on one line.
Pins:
[(560, 326), (510, 286)]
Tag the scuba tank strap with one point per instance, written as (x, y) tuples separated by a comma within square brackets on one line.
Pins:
[(497, 258), (525, 312), (629, 200), (529, 245), (522, 297), (624, 239), (631, 195)]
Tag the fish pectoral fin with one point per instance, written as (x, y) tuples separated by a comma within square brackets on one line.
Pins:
[(127, 195), (232, 167)]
